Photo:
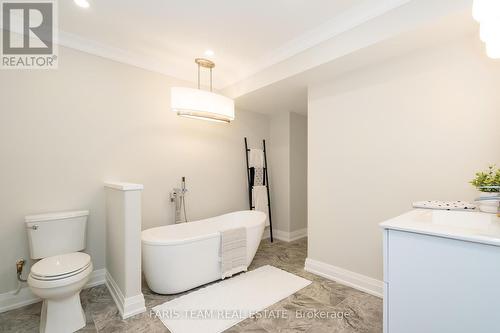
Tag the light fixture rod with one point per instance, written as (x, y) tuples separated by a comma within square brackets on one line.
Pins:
[(205, 63)]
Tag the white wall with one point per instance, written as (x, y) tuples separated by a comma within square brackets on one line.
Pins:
[(298, 172), (63, 132), (279, 170), (413, 128), (288, 172)]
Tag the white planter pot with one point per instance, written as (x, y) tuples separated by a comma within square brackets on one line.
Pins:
[(488, 206)]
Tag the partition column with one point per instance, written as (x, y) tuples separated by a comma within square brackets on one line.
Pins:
[(123, 247)]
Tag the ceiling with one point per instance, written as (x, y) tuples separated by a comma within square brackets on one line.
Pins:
[(167, 35), (290, 94), (285, 96), (266, 52)]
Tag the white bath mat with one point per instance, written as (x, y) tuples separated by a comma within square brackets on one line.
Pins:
[(219, 306)]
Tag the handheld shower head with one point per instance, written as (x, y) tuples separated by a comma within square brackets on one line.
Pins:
[(177, 197)]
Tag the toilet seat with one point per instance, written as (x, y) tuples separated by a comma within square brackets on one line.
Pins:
[(61, 270), (59, 277), (60, 267), (61, 282)]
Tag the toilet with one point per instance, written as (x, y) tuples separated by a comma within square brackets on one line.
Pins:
[(62, 271)]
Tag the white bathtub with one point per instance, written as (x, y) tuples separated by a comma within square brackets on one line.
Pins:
[(180, 257)]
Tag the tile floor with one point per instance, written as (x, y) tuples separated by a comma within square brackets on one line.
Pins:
[(363, 311)]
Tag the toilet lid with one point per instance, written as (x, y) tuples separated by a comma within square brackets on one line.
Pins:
[(60, 265)]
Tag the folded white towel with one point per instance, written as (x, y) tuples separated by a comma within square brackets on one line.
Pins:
[(233, 251), (256, 158), (260, 201), (445, 205)]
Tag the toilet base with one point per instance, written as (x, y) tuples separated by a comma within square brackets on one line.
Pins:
[(62, 315)]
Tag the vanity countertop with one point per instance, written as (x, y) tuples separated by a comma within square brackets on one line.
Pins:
[(462, 225)]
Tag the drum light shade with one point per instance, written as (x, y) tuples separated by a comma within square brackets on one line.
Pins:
[(487, 13), (486, 10), (201, 104), (493, 50), (489, 31)]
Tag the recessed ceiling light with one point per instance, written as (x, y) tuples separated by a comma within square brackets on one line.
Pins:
[(209, 53), (82, 3)]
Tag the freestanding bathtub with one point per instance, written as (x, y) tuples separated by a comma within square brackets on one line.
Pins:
[(180, 257)]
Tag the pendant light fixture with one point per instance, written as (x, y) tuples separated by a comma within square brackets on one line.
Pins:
[(487, 13), (202, 104)]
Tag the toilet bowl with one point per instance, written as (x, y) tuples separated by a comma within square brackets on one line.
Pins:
[(58, 280), (56, 239)]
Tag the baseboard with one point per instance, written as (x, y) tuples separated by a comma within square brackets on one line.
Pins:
[(97, 277), (286, 236), (9, 301), (266, 234), (129, 306), (351, 279)]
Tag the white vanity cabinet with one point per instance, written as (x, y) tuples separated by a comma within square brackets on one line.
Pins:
[(442, 272)]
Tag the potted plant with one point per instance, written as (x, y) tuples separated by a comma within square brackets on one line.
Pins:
[(488, 183)]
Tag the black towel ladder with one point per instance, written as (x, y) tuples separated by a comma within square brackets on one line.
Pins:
[(249, 179)]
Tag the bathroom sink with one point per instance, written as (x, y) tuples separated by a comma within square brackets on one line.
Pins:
[(466, 220), (465, 225)]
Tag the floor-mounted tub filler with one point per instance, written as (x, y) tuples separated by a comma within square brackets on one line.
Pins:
[(183, 256)]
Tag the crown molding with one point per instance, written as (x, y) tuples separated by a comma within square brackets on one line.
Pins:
[(341, 23), (405, 16), (78, 43), (176, 67)]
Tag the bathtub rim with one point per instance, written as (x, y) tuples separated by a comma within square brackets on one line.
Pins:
[(199, 237)]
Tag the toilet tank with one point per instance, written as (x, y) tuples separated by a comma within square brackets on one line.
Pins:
[(56, 233)]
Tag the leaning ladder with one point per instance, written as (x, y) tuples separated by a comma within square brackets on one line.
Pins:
[(266, 176)]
